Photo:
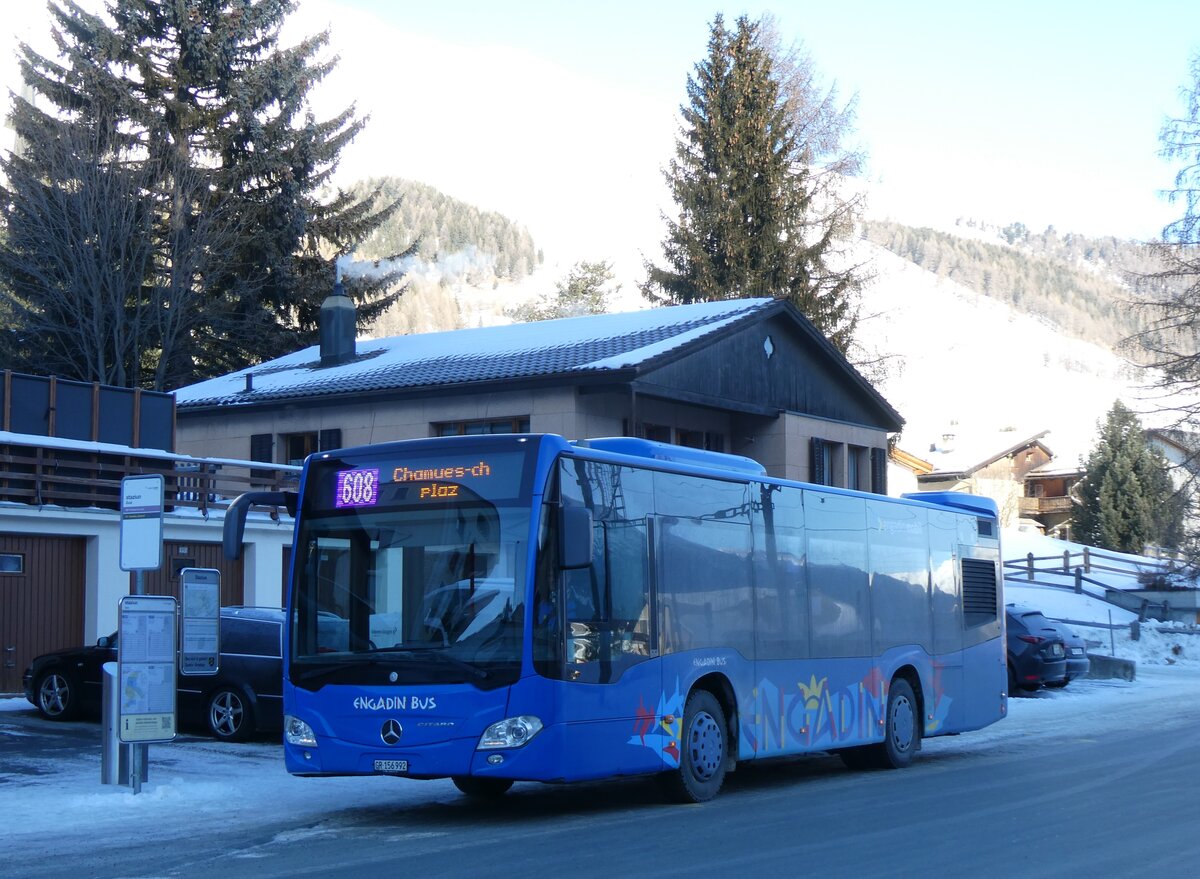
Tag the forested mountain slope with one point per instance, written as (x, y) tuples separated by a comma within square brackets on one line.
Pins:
[(1081, 285)]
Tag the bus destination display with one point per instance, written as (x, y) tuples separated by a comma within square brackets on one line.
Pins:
[(496, 476)]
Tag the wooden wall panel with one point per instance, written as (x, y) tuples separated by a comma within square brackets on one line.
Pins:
[(178, 555), (41, 609)]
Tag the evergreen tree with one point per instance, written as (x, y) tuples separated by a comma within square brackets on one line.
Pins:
[(204, 88), (1127, 499), (585, 290), (756, 217)]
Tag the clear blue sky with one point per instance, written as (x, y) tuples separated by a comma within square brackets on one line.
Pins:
[(1045, 112)]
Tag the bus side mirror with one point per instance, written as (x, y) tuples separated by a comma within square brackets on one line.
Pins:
[(235, 516), (575, 537)]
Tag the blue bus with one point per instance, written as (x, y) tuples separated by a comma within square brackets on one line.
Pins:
[(522, 607)]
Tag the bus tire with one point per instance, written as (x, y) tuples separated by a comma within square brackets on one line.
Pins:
[(902, 731), (703, 751), (482, 788)]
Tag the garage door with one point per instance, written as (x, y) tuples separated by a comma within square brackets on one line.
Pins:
[(178, 555), (41, 599)]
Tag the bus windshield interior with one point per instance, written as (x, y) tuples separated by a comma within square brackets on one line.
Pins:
[(432, 592)]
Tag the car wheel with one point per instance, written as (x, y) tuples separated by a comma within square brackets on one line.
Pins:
[(703, 751), (230, 717), (57, 697), (482, 788)]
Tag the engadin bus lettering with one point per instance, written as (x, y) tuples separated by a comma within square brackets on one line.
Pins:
[(585, 610), (396, 703)]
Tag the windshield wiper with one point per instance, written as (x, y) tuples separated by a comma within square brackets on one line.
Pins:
[(436, 655)]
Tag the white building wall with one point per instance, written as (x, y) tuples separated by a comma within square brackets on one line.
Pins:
[(104, 581)]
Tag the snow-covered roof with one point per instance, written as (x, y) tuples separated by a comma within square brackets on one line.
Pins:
[(580, 345), (967, 454)]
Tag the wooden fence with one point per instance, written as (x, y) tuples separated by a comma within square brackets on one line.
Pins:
[(82, 478)]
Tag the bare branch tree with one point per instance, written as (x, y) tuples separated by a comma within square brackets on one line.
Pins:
[(76, 255)]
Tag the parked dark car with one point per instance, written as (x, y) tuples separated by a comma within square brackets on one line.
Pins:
[(1036, 652), (1078, 663), (244, 697)]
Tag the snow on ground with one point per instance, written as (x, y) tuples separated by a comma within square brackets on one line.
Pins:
[(198, 786)]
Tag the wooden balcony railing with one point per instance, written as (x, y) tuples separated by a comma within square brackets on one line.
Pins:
[(1039, 505), (75, 477)]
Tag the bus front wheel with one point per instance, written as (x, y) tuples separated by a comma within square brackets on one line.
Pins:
[(703, 751)]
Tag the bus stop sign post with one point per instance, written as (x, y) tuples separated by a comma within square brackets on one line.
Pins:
[(141, 525), (200, 623), (146, 669), (141, 549)]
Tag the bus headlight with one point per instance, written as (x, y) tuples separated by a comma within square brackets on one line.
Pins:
[(512, 732), (297, 732)]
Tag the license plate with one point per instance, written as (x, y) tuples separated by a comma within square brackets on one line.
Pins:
[(391, 766)]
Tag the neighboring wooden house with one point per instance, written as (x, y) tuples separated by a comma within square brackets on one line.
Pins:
[(1049, 498), (993, 466), (748, 376), (904, 469)]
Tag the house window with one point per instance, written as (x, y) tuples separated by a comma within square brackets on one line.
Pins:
[(12, 563), (714, 442), (823, 460), (519, 424), (298, 446), (857, 465), (692, 438)]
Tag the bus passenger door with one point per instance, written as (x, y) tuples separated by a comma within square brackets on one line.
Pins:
[(611, 690)]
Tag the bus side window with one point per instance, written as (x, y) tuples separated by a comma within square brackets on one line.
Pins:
[(607, 603)]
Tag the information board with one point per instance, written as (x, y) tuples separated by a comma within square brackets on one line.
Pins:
[(141, 523), (146, 665), (200, 621)]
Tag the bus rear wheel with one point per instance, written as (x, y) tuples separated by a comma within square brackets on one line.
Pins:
[(703, 751), (482, 788), (901, 737)]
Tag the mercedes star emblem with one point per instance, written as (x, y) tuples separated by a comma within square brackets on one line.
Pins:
[(391, 731)]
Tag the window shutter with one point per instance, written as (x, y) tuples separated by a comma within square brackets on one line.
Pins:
[(817, 455), (330, 439), (879, 460), (262, 448)]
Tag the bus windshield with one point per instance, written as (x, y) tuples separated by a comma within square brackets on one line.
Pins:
[(410, 572)]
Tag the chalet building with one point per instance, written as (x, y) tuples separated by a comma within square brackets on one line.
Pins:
[(992, 466), (747, 376), (1049, 498)]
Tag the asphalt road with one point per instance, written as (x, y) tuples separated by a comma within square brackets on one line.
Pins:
[(1121, 801)]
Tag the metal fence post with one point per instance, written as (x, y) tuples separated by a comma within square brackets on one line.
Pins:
[(1029, 562)]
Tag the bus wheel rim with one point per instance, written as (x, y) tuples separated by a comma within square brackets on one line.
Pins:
[(902, 724), (706, 745)]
